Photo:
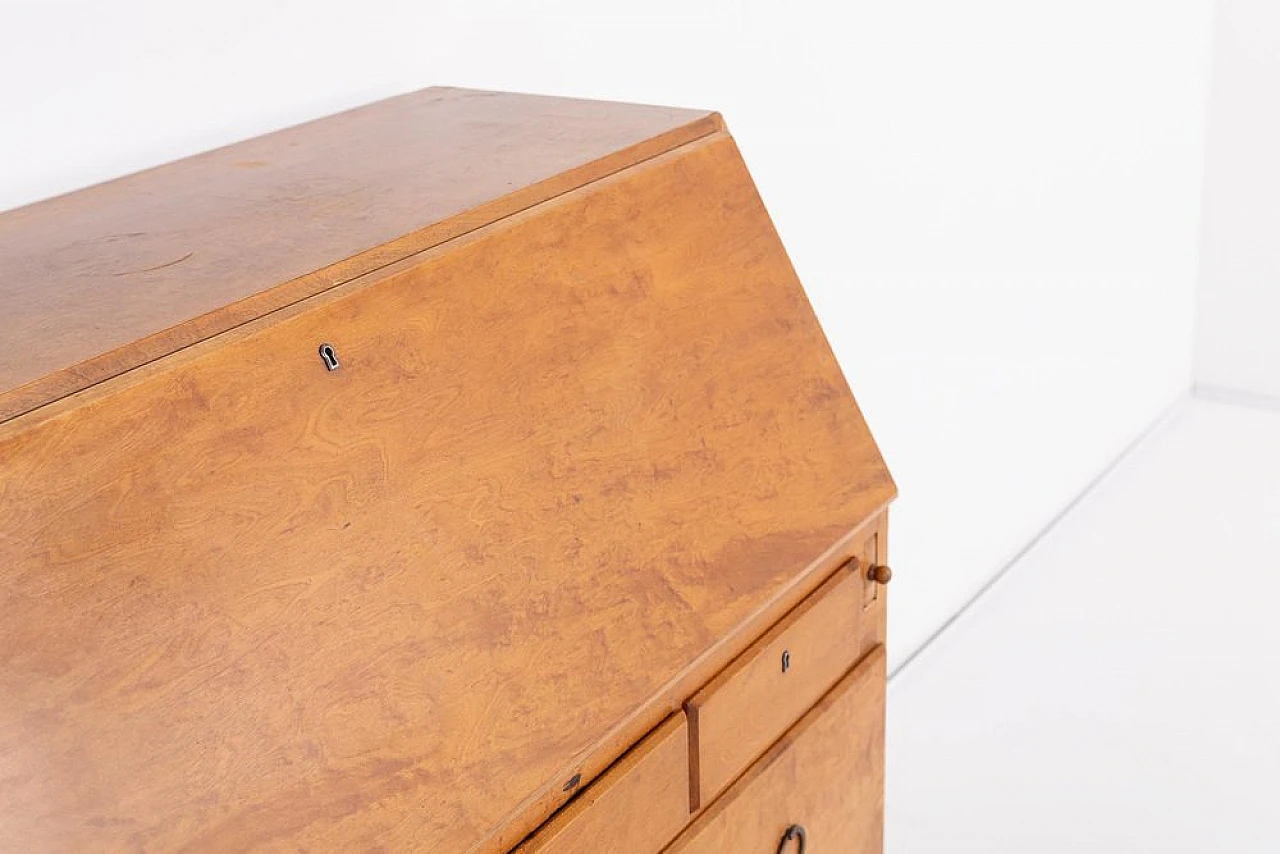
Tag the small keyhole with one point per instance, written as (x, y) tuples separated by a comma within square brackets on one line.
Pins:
[(786, 660), (329, 357)]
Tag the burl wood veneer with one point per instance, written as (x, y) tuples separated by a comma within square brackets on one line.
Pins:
[(583, 461)]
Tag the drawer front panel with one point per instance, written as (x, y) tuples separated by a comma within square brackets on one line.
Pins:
[(767, 688), (824, 779), (638, 805)]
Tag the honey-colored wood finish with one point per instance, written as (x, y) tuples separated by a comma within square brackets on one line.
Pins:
[(637, 806), (825, 775), (105, 279), (767, 688), (573, 462)]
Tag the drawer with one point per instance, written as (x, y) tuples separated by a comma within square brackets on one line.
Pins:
[(824, 780), (637, 805), (767, 688)]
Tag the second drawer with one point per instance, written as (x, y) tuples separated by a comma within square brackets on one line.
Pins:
[(766, 689)]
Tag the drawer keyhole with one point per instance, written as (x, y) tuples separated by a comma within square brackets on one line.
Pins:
[(329, 357), (786, 660), (796, 832)]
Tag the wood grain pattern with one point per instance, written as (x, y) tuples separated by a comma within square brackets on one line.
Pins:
[(637, 806), (99, 281), (561, 476), (754, 700), (826, 774)]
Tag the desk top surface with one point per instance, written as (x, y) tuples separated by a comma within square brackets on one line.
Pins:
[(105, 279)]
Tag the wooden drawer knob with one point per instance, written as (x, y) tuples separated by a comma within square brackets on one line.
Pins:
[(879, 573)]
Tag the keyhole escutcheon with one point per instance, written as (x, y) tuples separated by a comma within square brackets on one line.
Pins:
[(329, 357)]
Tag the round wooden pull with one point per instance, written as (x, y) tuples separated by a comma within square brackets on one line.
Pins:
[(795, 831), (880, 573)]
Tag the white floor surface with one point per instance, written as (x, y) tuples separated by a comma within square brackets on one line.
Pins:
[(1118, 690)]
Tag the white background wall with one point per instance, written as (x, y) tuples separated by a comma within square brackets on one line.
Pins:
[(994, 204), (1238, 332)]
